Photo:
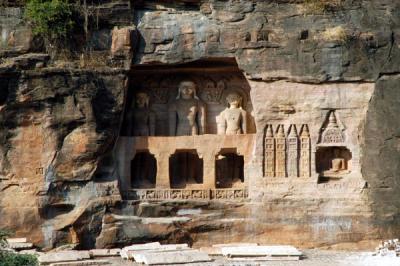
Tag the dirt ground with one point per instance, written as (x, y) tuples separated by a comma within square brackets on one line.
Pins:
[(312, 257)]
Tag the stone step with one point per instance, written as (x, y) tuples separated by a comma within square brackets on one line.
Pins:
[(175, 257), (138, 256), (63, 256), (259, 251), (235, 245)]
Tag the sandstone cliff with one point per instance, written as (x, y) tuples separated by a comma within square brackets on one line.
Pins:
[(60, 124)]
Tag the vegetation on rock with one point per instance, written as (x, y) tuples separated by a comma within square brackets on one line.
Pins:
[(321, 6), (50, 19)]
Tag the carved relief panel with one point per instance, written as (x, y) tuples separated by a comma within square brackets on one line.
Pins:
[(215, 103), (287, 154)]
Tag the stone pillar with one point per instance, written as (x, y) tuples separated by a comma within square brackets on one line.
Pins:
[(280, 141), (293, 150), (305, 149), (269, 153), (162, 179), (209, 169)]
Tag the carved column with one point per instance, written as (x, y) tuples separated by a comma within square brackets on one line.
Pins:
[(280, 140), (305, 148), (162, 179), (209, 169), (293, 150), (269, 156)]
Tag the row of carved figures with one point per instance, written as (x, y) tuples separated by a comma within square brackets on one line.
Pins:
[(187, 114), (287, 155)]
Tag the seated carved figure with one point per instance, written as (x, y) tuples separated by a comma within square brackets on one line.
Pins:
[(143, 119), (339, 165), (233, 120), (187, 113)]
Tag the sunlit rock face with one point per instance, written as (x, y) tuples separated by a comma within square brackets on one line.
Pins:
[(207, 122)]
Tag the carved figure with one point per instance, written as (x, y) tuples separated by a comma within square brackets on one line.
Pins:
[(339, 165), (143, 119), (233, 120), (187, 114)]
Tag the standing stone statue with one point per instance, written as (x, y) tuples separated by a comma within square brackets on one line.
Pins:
[(233, 120), (338, 164), (187, 114), (142, 118)]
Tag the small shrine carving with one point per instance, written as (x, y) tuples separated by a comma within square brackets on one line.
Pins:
[(332, 134), (269, 152)]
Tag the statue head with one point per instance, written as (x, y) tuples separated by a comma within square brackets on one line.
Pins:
[(234, 100), (187, 90), (142, 100)]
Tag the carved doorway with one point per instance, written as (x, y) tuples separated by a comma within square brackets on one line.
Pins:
[(185, 168), (229, 170), (143, 170), (333, 162)]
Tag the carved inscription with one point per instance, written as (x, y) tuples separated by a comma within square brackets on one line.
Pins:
[(188, 194)]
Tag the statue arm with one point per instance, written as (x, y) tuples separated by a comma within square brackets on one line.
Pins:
[(172, 120), (244, 122), (152, 124), (202, 115)]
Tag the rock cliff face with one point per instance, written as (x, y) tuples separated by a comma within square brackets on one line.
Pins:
[(65, 153)]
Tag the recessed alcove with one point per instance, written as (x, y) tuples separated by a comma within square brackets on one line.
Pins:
[(333, 162), (229, 169), (185, 168), (143, 170)]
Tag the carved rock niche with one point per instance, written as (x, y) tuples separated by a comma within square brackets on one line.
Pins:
[(229, 169), (185, 169), (333, 158), (143, 170)]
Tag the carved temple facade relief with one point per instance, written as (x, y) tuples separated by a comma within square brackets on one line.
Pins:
[(183, 105), (287, 154)]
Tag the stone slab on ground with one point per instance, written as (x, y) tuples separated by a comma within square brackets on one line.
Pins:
[(175, 257), (63, 256), (235, 245), (104, 252), (17, 240), (82, 263), (259, 251), (20, 246), (146, 246), (137, 254)]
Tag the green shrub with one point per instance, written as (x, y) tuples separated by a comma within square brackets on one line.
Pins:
[(4, 234), (51, 19), (14, 259)]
